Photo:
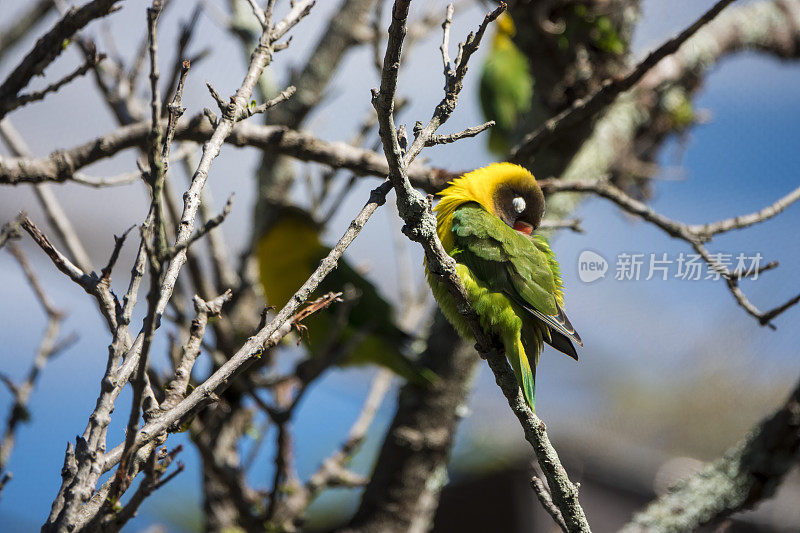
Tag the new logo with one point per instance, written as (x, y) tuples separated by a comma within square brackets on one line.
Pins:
[(591, 266)]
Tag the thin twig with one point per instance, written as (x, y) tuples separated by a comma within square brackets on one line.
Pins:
[(453, 137), (547, 502), (573, 224), (744, 221), (258, 12), (187, 32), (251, 110), (209, 225), (112, 181), (696, 235), (92, 284), (176, 389), (330, 473), (105, 274), (56, 215), (27, 98), (48, 47)]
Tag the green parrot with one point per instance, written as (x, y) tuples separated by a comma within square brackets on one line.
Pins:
[(288, 253), (506, 87), (485, 219)]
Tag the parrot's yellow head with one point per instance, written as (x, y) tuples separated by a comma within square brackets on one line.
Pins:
[(506, 190), (504, 32)]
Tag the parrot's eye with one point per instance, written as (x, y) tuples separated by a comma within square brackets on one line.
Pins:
[(519, 204)]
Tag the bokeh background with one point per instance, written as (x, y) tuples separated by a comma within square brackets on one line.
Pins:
[(670, 368)]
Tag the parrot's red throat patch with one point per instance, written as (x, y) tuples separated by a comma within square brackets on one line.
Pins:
[(523, 227)]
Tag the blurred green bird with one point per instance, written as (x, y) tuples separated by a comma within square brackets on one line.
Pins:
[(506, 86), (288, 253)]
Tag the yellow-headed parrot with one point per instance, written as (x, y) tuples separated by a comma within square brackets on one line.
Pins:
[(485, 221)]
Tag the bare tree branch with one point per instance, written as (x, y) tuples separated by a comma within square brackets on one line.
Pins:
[(706, 231), (23, 24), (87, 477), (453, 137), (333, 471), (63, 164), (48, 47), (93, 285), (547, 502), (155, 477), (176, 389), (27, 98), (402, 494), (56, 216), (158, 165), (265, 338), (695, 235)]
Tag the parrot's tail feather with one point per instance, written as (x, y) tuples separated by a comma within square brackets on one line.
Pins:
[(526, 374), (562, 343)]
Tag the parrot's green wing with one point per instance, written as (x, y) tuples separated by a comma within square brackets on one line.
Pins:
[(512, 263)]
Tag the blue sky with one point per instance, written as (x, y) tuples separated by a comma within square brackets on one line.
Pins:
[(653, 331)]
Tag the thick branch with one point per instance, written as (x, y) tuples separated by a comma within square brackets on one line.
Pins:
[(749, 472), (410, 470), (586, 108), (63, 164), (23, 24)]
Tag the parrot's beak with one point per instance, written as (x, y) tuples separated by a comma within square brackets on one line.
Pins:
[(523, 227)]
